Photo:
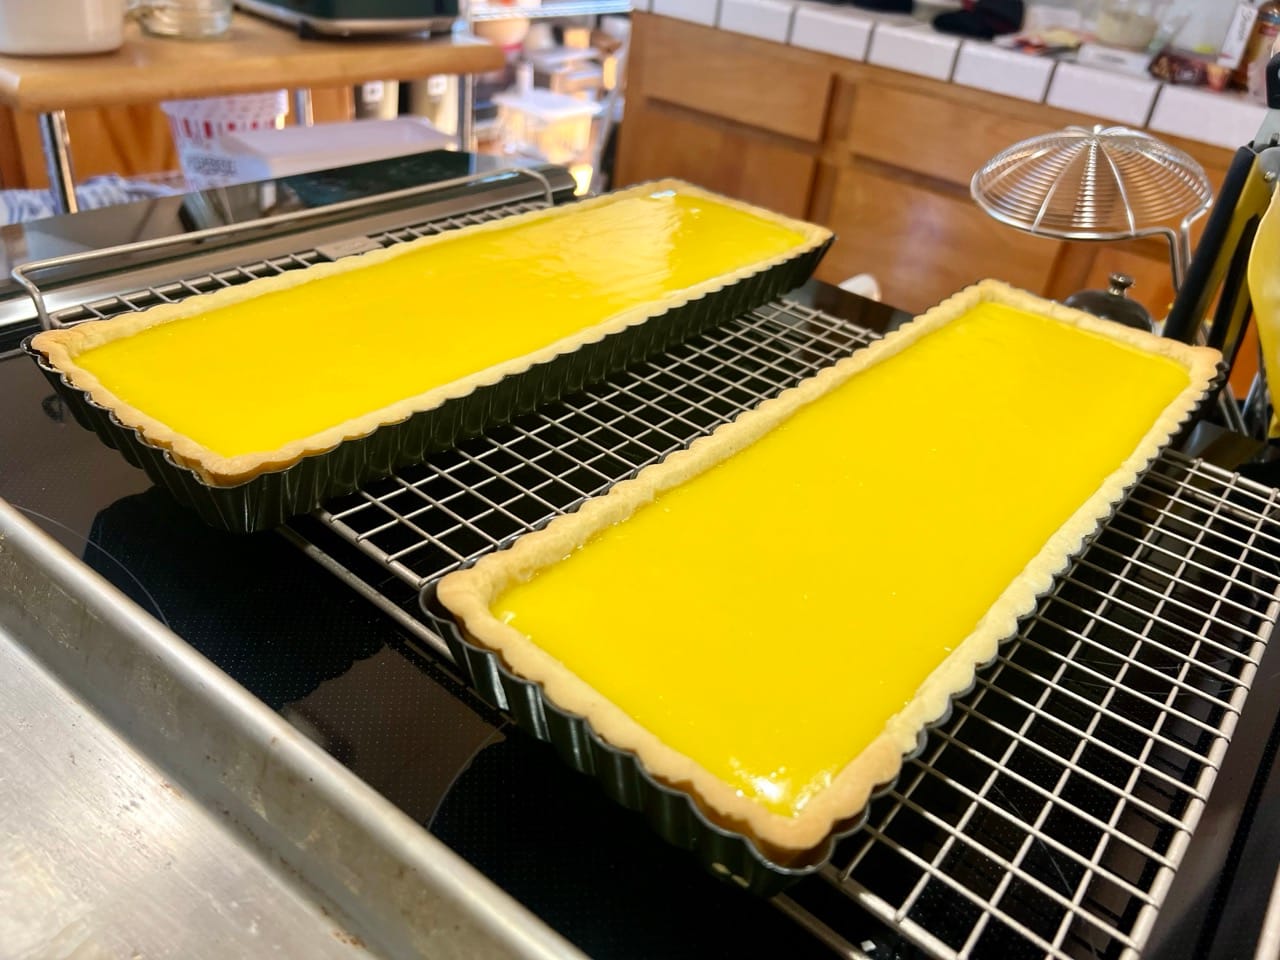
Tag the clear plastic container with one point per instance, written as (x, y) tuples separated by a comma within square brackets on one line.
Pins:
[(1131, 24), (540, 123)]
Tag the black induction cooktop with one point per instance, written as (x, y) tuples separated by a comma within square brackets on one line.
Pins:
[(339, 669), (353, 680)]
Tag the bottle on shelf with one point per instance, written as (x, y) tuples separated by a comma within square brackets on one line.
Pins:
[(1252, 74)]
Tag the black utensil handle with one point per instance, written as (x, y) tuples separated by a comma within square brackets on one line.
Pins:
[(1192, 302), (1273, 82)]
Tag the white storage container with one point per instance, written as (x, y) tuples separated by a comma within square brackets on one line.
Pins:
[(551, 125), (55, 27), (262, 154)]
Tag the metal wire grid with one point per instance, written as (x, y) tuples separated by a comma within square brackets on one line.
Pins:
[(1047, 815), (178, 290), (428, 519)]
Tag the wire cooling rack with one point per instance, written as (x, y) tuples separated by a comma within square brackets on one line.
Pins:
[(1048, 813), (1047, 816), (427, 520)]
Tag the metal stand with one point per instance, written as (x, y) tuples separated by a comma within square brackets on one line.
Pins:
[(303, 109), (466, 104), (57, 156), (1153, 183)]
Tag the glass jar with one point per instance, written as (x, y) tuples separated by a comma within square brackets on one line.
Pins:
[(1130, 24), (183, 19), (1266, 33)]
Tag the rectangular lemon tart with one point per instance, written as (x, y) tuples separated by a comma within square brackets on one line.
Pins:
[(770, 618), (251, 380)]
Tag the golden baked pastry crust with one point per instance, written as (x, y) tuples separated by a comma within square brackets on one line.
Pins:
[(61, 347), (468, 594)]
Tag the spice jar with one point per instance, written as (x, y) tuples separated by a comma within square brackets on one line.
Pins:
[(1266, 30)]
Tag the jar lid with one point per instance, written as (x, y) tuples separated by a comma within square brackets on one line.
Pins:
[(1112, 303)]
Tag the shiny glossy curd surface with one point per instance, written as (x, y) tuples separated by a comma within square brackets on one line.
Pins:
[(768, 617), (255, 375)]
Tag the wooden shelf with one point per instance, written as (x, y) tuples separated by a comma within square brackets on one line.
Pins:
[(255, 55)]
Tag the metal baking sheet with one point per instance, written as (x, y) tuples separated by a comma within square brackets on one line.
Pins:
[(104, 857), (180, 752)]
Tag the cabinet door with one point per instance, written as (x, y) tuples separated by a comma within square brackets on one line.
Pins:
[(933, 134), (923, 245), (743, 163), (754, 82)]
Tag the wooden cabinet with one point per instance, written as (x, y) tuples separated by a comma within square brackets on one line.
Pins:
[(123, 140), (923, 244), (883, 158), (737, 161), (930, 132), (703, 114), (767, 86)]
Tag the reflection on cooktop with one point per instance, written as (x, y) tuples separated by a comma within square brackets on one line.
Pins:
[(336, 668), (223, 595), (320, 655), (595, 872), (284, 629)]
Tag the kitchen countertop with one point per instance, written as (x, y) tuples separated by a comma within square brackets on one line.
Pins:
[(77, 798)]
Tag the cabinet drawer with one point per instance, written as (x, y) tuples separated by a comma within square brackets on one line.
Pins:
[(749, 81), (923, 246), (932, 134)]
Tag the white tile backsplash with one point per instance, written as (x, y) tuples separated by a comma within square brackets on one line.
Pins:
[(913, 48), (902, 43), (834, 30), (766, 19), (1224, 120), (1005, 72), (695, 11), (1111, 96)]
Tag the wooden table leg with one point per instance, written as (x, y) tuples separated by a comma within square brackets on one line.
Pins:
[(303, 108), (57, 157)]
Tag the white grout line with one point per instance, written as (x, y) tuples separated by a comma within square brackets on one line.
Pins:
[(876, 23)]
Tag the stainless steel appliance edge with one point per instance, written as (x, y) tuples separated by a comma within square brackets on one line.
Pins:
[(393, 885)]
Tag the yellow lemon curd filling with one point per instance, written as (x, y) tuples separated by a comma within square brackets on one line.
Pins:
[(767, 617), (252, 376)]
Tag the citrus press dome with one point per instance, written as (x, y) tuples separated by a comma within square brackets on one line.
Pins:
[(1104, 183)]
